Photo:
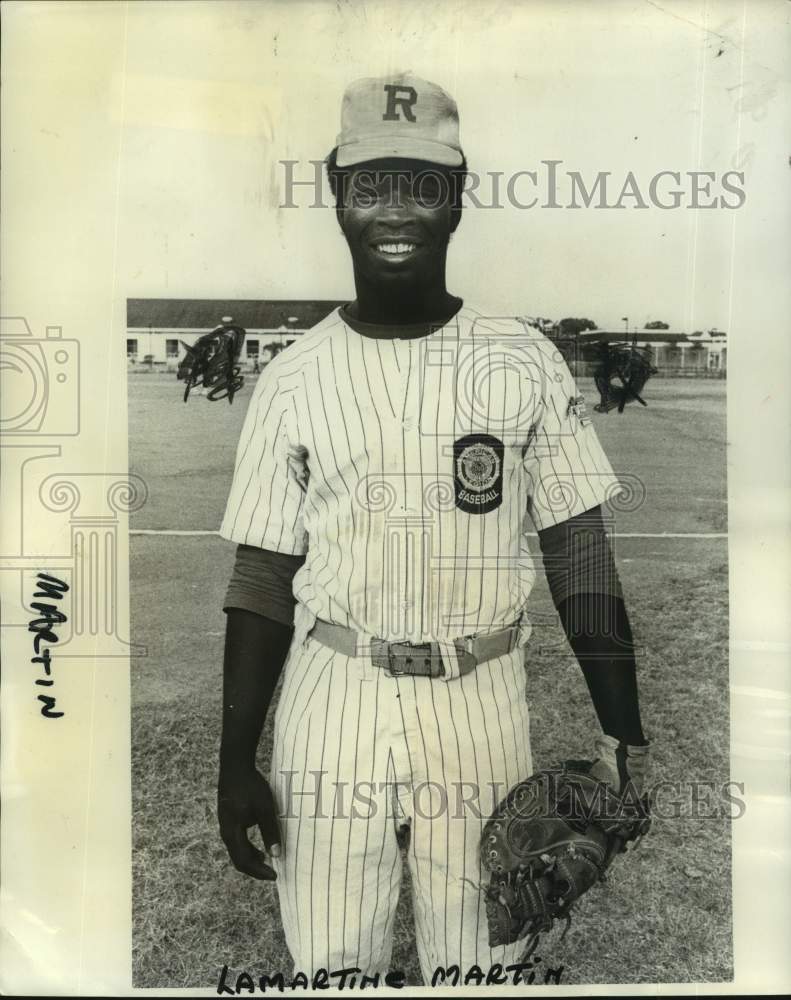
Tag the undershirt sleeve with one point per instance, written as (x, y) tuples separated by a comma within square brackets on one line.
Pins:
[(578, 559), (586, 591), (262, 581)]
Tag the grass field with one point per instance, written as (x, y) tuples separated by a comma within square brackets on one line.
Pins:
[(664, 916)]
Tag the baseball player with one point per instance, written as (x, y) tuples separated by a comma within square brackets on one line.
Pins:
[(390, 463)]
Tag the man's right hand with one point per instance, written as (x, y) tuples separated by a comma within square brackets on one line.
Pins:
[(243, 801)]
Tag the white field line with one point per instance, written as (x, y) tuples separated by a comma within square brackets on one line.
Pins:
[(531, 534)]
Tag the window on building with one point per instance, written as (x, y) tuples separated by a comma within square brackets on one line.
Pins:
[(172, 348), (131, 347), (252, 348)]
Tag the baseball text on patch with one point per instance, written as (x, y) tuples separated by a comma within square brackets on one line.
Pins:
[(478, 473)]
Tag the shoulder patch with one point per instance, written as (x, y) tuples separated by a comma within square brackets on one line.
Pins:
[(578, 408), (478, 473)]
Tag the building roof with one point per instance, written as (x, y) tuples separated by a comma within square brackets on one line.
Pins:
[(643, 336), (651, 336), (252, 314)]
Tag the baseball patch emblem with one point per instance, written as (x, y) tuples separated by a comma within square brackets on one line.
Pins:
[(478, 473), (478, 466)]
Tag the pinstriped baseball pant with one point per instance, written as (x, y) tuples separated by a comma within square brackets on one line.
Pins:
[(358, 754)]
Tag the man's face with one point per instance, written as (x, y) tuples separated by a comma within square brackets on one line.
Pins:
[(397, 220)]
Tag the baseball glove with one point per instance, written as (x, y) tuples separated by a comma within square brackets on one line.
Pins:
[(555, 835), (212, 361), (621, 374)]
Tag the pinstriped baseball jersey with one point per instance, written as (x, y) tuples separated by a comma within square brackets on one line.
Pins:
[(404, 469)]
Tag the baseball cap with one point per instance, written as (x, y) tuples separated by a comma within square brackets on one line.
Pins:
[(401, 116)]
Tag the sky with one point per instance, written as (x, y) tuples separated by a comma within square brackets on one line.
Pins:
[(214, 97)]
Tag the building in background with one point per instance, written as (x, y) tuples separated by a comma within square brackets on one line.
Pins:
[(157, 329), (702, 354), (713, 344)]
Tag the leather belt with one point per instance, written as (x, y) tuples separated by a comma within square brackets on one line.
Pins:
[(417, 659)]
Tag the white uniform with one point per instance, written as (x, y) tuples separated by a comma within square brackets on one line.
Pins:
[(404, 469)]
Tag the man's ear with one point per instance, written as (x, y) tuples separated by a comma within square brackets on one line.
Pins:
[(455, 219)]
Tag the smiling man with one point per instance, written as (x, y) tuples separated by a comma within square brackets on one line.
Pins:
[(387, 466)]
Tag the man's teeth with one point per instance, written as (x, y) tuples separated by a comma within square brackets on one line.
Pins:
[(396, 247)]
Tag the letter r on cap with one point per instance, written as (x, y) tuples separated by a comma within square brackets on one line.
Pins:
[(391, 115)]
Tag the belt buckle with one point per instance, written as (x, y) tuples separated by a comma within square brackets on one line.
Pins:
[(397, 666), (384, 656), (394, 667)]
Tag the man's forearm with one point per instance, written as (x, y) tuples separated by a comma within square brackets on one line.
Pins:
[(598, 630), (585, 588), (255, 651), (259, 604)]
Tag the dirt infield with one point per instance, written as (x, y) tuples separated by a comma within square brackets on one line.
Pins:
[(664, 916)]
